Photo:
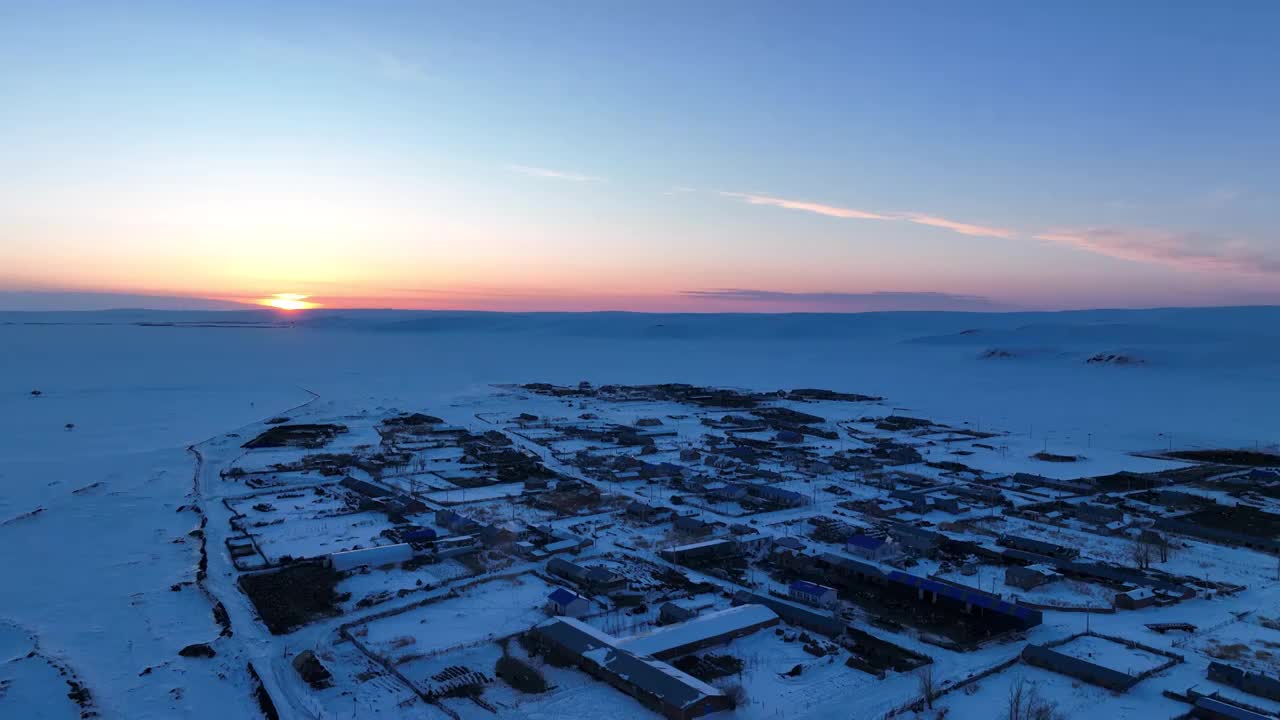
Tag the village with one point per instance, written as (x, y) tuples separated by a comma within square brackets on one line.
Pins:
[(683, 551)]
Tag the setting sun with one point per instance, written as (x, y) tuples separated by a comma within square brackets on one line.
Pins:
[(289, 301)]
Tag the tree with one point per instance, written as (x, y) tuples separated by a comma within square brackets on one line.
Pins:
[(1025, 702), (1141, 553), (927, 687)]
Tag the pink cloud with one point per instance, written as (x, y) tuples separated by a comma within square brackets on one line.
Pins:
[(851, 213), (1188, 251), (828, 210), (962, 228)]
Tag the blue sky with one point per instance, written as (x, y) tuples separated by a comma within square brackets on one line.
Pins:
[(635, 155)]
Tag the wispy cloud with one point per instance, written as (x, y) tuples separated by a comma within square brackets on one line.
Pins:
[(553, 174), (959, 227), (1189, 251), (850, 301), (828, 210), (858, 214)]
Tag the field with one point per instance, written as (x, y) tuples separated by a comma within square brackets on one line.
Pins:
[(99, 523)]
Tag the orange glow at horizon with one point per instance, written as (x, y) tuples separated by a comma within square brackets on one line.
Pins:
[(288, 301)]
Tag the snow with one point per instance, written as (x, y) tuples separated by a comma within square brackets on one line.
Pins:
[(95, 521)]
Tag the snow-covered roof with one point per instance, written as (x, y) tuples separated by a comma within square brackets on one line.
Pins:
[(866, 541), (810, 588), (705, 627), (561, 596), (380, 555)]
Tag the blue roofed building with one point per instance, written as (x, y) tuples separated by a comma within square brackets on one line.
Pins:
[(567, 603), (811, 593), (868, 547)]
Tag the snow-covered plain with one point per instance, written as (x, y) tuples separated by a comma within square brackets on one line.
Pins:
[(95, 538)]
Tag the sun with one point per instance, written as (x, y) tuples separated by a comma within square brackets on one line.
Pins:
[(289, 301)]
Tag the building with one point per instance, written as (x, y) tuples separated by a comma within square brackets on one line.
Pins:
[(370, 557), (657, 685), (1250, 682), (648, 513), (1211, 708), (603, 580), (692, 526), (1135, 599), (701, 551), (996, 613), (916, 539), (1039, 547), (875, 549), (420, 535), (1092, 673), (811, 593), (707, 630), (781, 496), (1030, 577), (671, 613), (455, 522), (567, 603)]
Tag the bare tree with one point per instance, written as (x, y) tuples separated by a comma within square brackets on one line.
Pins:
[(1141, 553), (1017, 698), (928, 690), (1026, 703)]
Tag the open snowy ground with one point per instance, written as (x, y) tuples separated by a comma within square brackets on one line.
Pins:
[(94, 532)]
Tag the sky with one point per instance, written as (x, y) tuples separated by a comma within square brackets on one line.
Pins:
[(664, 156)]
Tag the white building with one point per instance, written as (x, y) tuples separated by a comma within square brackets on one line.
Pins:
[(371, 557)]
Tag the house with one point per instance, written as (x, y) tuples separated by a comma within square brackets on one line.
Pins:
[(778, 495), (455, 522), (455, 545), (1031, 576), (567, 603), (648, 513), (789, 542), (692, 525), (671, 613), (918, 540), (728, 491), (1039, 547), (1250, 682), (648, 422), (1135, 599), (568, 570), (875, 549), (812, 593), (604, 580), (420, 535), (789, 436)]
